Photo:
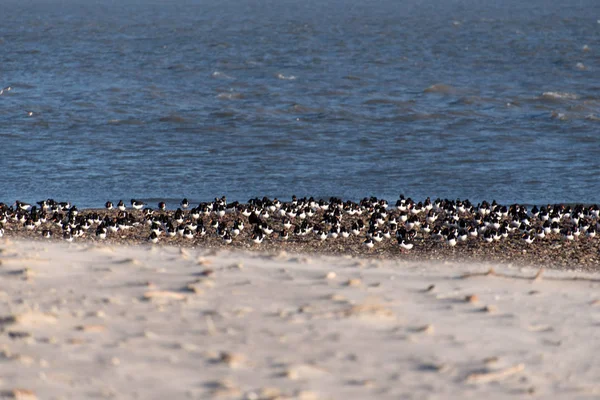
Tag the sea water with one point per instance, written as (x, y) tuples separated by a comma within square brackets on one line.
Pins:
[(162, 100)]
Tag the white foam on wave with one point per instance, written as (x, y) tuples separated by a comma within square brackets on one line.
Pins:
[(440, 88), (559, 115), (560, 95), (286, 78), (229, 96), (218, 74)]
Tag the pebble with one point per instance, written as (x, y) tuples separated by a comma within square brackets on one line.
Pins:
[(225, 388), (203, 261), (163, 295), (98, 314), (193, 288), (18, 334), (430, 288), (489, 309), (19, 394), (337, 298), (91, 328), (232, 360), (184, 253), (353, 282), (472, 298), (425, 329)]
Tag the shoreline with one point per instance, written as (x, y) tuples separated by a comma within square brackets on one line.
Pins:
[(554, 236)]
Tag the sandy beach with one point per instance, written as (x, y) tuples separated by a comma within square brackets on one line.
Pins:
[(88, 320)]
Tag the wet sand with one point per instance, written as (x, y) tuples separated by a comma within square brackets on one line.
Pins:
[(98, 320)]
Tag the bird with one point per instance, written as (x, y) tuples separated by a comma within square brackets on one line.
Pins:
[(452, 238), (528, 237), (101, 232), (108, 205), (322, 235), (568, 234), (22, 206), (377, 236), (540, 233), (258, 236), (267, 230), (187, 233), (334, 232), (405, 244), (369, 243), (344, 232), (29, 224), (68, 236), (287, 223), (185, 203), (138, 205), (153, 238), (201, 230)]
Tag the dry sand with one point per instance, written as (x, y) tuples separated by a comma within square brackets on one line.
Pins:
[(84, 321)]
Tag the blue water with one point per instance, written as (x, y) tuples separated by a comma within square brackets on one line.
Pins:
[(161, 100)]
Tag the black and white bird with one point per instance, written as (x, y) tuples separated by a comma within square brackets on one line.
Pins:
[(258, 236), (528, 237), (138, 205), (22, 206), (101, 232), (405, 244), (153, 238), (185, 203)]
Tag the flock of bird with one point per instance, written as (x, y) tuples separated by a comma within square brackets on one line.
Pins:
[(371, 219)]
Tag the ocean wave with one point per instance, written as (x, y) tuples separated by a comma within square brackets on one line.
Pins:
[(173, 118), (286, 78), (559, 116), (376, 101), (130, 121), (559, 96), (230, 96), (298, 108), (440, 88), (218, 74)]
